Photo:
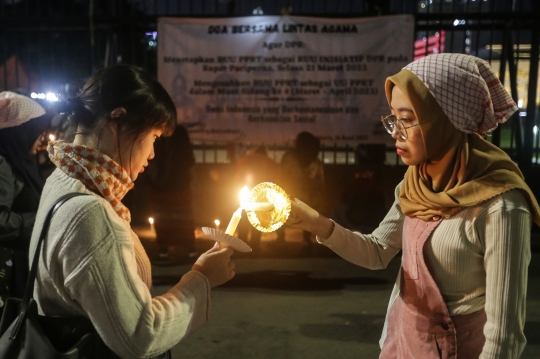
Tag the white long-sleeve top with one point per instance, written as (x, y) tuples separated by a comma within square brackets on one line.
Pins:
[(478, 258), (94, 265)]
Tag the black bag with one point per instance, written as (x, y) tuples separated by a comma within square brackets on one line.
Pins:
[(26, 335)]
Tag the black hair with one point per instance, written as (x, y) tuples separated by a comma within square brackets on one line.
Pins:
[(307, 147), (146, 102)]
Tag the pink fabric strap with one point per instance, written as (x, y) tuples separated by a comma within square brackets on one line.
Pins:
[(419, 324)]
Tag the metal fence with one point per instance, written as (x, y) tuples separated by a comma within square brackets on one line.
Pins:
[(46, 45)]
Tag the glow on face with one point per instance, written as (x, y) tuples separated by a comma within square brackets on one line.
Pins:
[(411, 150)]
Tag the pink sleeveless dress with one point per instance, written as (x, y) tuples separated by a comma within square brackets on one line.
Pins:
[(419, 324)]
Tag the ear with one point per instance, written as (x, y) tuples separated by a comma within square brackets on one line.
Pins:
[(118, 112)]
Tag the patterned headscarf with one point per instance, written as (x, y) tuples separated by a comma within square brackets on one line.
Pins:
[(467, 90), (454, 97), (97, 171)]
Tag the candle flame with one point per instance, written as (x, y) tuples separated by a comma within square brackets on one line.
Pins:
[(151, 220), (51, 137), (217, 222), (244, 195)]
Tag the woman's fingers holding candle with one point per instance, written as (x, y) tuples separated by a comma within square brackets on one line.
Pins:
[(215, 264), (301, 214), (304, 217)]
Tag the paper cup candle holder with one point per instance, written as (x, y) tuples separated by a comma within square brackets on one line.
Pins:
[(267, 207)]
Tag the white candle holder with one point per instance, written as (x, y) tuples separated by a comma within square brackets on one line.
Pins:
[(222, 237), (263, 219)]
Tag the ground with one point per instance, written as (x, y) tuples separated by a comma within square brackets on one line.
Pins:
[(297, 301)]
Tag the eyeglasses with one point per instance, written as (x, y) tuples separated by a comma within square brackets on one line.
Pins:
[(392, 123)]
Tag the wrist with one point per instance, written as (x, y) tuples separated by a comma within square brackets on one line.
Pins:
[(197, 268), (326, 228)]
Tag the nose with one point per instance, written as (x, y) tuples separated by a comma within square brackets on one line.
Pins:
[(152, 155), (395, 133)]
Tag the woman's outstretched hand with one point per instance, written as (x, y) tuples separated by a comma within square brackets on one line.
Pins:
[(304, 217), (216, 265)]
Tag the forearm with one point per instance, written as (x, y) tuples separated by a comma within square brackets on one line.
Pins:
[(364, 250), (134, 324), (322, 227), (372, 251), (506, 261)]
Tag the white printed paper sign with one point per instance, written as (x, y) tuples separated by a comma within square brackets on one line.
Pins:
[(266, 78)]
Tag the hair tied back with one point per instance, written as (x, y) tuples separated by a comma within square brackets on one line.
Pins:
[(74, 104)]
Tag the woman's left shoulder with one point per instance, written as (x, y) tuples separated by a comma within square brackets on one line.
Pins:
[(513, 199)]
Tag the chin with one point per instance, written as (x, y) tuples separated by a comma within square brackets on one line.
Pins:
[(410, 162)]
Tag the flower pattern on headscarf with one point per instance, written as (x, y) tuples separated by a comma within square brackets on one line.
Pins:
[(97, 171)]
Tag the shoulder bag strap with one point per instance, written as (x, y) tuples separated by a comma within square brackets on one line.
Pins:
[(29, 291)]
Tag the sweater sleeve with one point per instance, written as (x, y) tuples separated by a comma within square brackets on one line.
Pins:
[(99, 268), (372, 251), (506, 259)]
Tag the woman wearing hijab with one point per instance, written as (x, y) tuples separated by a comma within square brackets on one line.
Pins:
[(461, 217), (22, 123)]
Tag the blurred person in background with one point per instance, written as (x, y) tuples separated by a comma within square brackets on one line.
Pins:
[(251, 169), (302, 176), (168, 179), (366, 187), (23, 123)]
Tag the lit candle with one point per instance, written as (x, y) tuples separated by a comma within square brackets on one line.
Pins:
[(231, 228), (217, 222), (237, 215), (151, 220), (253, 206), (51, 137), (244, 195), (258, 206)]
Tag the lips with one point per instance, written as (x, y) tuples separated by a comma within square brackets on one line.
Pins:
[(400, 151)]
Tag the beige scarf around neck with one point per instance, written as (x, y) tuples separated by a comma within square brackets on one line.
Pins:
[(97, 171)]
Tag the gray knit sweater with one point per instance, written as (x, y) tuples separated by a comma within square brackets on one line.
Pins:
[(92, 264)]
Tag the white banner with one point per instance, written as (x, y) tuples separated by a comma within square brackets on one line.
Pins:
[(266, 78)]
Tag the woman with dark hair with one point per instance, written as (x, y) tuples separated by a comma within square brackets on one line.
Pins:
[(22, 124), (462, 217), (92, 263)]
